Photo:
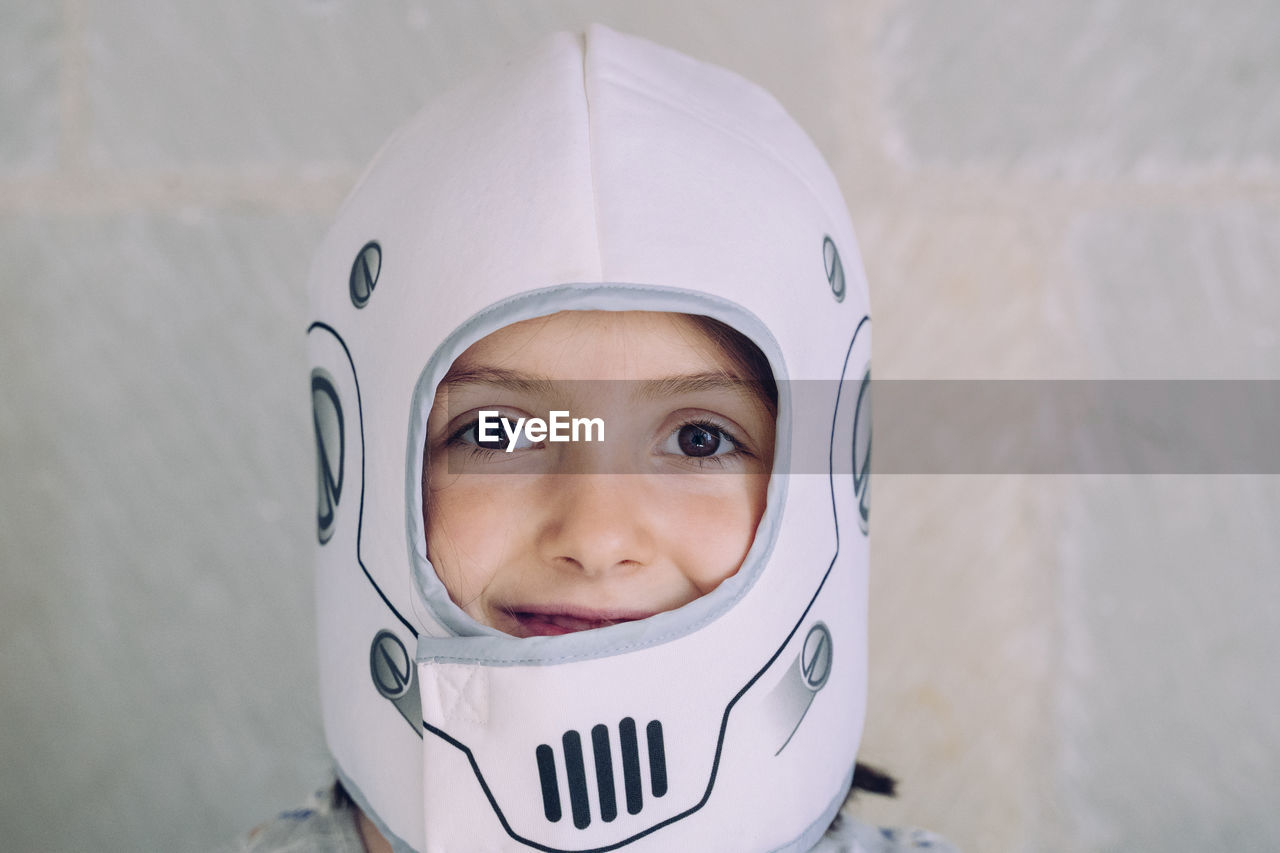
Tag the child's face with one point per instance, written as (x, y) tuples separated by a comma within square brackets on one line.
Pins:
[(559, 537)]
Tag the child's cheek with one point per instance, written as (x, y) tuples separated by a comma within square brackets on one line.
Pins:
[(470, 527), (711, 525)]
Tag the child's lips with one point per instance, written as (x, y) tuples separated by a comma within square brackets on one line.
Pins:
[(540, 621)]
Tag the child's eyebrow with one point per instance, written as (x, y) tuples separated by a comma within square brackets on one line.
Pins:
[(645, 389), (512, 380), (693, 383)]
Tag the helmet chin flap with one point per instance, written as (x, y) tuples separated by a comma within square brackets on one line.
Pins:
[(597, 172)]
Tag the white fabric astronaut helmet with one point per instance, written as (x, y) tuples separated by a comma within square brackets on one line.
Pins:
[(597, 172)]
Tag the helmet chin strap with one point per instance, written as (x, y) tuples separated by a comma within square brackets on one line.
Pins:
[(601, 173)]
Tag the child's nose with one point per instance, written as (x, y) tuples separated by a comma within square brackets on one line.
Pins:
[(597, 523)]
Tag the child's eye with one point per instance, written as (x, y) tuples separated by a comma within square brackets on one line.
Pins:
[(700, 440), (498, 441)]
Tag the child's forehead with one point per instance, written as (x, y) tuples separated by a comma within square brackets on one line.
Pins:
[(593, 345)]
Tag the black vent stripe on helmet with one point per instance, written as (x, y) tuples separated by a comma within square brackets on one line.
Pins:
[(547, 775), (604, 772), (602, 754), (576, 774), (657, 758), (630, 765)]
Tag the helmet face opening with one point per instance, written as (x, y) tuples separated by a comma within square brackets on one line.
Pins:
[(591, 468)]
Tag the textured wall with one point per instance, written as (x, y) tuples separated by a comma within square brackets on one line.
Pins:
[(1043, 190)]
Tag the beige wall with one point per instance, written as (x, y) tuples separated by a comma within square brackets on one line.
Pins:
[(1042, 190)]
